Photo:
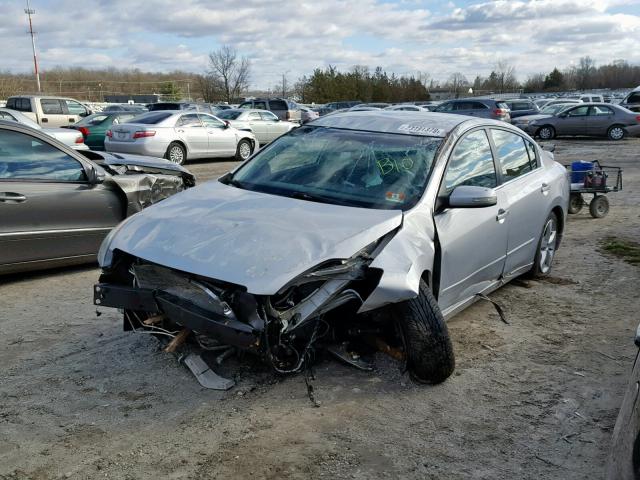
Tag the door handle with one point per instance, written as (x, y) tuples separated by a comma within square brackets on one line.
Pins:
[(502, 214), (71, 120), (180, 130), (545, 188), (45, 120), (12, 197)]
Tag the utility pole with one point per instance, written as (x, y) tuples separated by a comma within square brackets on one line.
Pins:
[(284, 84), (30, 12)]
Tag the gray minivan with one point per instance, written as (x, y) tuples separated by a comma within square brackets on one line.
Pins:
[(285, 109), (477, 107)]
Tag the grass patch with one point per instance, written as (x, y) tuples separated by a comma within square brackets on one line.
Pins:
[(627, 250)]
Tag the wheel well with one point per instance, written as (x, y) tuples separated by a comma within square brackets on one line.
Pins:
[(560, 215), (179, 142)]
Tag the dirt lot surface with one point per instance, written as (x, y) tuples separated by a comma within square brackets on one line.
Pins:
[(535, 399)]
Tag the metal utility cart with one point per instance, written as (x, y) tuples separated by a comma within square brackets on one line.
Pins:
[(596, 179)]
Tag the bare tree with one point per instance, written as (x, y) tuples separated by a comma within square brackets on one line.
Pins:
[(505, 76), (585, 73), (228, 72), (456, 83)]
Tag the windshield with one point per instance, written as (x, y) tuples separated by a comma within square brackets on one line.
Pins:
[(343, 167), (228, 114), (94, 119)]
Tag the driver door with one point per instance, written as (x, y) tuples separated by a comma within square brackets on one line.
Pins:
[(222, 139), (575, 121), (473, 241)]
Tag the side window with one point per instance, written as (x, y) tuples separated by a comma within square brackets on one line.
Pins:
[(445, 107), (51, 106), (478, 106), (260, 105), (245, 105), (463, 106), (255, 116), (512, 154), (11, 103), (269, 116), (23, 157), (578, 111), (7, 116), (600, 111), (279, 105), (209, 122), (25, 105), (75, 108), (531, 150), (471, 163), (189, 120)]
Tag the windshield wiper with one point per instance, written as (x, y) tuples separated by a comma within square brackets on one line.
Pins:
[(312, 197)]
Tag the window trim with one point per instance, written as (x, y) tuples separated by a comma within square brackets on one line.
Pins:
[(501, 179)]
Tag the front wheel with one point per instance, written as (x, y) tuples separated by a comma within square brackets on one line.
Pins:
[(599, 206), (547, 246), (547, 132), (243, 150), (428, 348)]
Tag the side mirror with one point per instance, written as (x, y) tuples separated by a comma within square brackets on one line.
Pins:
[(226, 124), (637, 339), (94, 175), (467, 196)]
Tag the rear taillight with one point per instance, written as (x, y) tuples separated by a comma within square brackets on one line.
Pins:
[(638, 118), (84, 131), (109, 134), (144, 133), (80, 139), (500, 112), (288, 115)]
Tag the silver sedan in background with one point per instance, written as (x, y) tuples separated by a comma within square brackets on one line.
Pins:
[(180, 136), (265, 125), (359, 222)]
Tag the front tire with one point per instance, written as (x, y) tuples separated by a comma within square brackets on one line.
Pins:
[(547, 246), (428, 347), (243, 150), (547, 132), (176, 153), (615, 133)]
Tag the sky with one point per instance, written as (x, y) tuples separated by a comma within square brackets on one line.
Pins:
[(295, 36)]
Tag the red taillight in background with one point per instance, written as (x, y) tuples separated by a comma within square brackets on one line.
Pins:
[(638, 118), (84, 131), (500, 112), (144, 133), (109, 134), (79, 139)]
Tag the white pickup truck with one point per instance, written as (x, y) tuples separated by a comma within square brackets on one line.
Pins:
[(49, 111)]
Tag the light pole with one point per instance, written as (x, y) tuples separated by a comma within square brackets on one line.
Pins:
[(284, 84), (30, 12)]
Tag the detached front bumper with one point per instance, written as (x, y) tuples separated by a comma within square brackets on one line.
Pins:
[(181, 311)]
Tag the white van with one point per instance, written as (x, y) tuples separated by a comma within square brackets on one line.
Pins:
[(49, 111)]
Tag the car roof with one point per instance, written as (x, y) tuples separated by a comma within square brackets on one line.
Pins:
[(428, 124)]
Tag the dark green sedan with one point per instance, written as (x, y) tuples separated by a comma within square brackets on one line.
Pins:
[(95, 126)]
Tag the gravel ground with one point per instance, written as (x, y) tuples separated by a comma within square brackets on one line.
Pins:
[(536, 398)]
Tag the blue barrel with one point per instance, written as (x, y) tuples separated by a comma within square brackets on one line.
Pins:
[(578, 170)]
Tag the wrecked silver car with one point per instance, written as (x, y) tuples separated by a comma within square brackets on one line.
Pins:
[(58, 204), (364, 229)]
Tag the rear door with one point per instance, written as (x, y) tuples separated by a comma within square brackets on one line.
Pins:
[(527, 197), (274, 125), (473, 241), (54, 112), (75, 111), (221, 139), (48, 209), (599, 120), (259, 126), (189, 128)]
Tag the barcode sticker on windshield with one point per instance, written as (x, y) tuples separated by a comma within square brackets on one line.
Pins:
[(405, 127), (395, 197)]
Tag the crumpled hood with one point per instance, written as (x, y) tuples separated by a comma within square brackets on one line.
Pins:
[(141, 161), (248, 238)]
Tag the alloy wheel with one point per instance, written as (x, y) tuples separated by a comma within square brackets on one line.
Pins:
[(245, 150), (616, 133), (548, 245), (176, 155)]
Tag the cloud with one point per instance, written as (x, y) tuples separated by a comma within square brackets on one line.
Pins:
[(296, 37)]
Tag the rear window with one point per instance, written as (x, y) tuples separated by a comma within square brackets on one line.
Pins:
[(278, 105), (95, 119), (151, 118), (521, 106), (478, 106), (502, 105), (164, 106), (633, 98)]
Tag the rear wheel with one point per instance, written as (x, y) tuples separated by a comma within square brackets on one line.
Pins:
[(547, 132), (615, 132), (428, 348), (599, 206), (244, 150), (547, 246), (176, 153), (576, 202)]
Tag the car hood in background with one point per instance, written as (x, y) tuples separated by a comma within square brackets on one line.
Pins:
[(531, 118), (252, 239)]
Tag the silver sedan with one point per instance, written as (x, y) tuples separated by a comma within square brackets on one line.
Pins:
[(180, 136), (356, 225), (265, 125)]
